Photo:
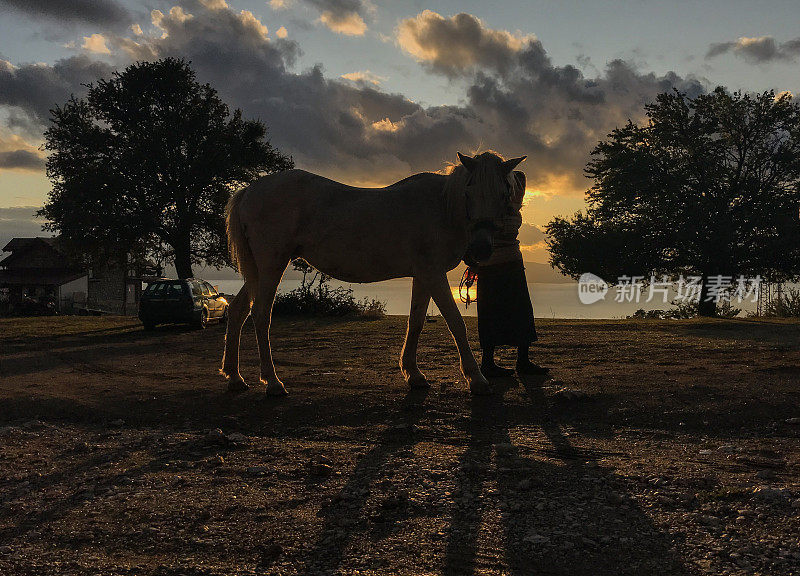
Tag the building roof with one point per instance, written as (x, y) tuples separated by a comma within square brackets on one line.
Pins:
[(39, 277), (20, 248), (23, 243)]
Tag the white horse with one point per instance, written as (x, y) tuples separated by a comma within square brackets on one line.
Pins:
[(422, 227)]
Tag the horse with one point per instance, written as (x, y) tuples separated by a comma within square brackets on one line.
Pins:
[(422, 227)]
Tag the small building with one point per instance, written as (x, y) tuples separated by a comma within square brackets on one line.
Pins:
[(38, 271)]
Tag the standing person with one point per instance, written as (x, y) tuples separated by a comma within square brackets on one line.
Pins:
[(505, 312)]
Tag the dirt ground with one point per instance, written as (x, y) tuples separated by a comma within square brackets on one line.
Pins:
[(657, 448)]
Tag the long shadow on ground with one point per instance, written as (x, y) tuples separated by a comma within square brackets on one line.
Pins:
[(345, 516), (561, 514)]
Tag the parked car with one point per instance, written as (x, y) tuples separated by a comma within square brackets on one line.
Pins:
[(192, 301)]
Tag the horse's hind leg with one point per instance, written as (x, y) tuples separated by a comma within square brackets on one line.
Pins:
[(268, 281), (420, 298), (238, 311)]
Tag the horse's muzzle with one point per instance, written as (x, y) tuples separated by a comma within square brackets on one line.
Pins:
[(480, 247)]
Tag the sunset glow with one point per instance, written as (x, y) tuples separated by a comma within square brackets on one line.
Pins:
[(458, 292)]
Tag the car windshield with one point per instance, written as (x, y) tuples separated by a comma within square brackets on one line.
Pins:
[(210, 289)]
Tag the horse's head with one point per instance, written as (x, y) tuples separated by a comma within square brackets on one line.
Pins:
[(489, 188)]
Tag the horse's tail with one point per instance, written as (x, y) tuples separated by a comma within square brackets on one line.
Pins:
[(238, 245)]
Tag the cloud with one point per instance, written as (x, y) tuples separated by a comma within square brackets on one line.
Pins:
[(20, 160), (281, 32), (95, 43), (31, 90), (175, 14), (17, 154), (214, 4), (364, 77), (108, 13), (349, 24), (459, 44), (758, 50), (343, 16), (515, 98), (519, 102), (326, 124)]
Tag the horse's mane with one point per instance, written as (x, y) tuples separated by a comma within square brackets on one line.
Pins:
[(455, 192)]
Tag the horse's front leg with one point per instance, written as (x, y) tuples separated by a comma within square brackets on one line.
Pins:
[(420, 297), (440, 291)]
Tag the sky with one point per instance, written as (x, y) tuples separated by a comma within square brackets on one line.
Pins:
[(370, 91)]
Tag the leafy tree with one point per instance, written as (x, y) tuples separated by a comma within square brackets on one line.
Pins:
[(147, 161), (708, 186)]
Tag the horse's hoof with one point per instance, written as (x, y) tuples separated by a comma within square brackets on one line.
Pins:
[(276, 389), (419, 381), (237, 385), (480, 387)]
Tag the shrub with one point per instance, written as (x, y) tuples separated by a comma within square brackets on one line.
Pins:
[(686, 310), (786, 305), (641, 313), (316, 297)]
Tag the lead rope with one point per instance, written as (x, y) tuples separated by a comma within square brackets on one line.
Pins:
[(467, 280)]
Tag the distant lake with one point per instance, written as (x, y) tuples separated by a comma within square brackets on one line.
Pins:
[(549, 300)]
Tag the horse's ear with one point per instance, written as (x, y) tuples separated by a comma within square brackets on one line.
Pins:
[(509, 165), (468, 162)]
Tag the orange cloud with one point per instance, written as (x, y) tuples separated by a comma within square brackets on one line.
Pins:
[(364, 76), (457, 44), (17, 154), (96, 43), (350, 24)]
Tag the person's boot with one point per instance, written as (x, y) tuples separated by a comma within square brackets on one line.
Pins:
[(489, 368), (526, 367), (492, 370)]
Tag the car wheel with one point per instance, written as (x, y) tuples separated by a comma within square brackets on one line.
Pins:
[(203, 319)]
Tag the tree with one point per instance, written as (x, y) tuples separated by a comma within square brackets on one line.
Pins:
[(709, 186), (147, 162)]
